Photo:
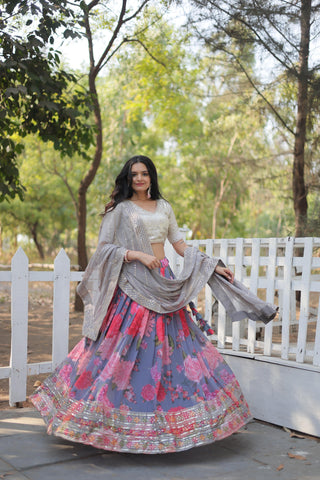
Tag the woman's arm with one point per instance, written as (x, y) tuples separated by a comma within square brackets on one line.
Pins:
[(149, 261), (180, 248)]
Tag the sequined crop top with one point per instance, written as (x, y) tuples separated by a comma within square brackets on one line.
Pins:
[(161, 223)]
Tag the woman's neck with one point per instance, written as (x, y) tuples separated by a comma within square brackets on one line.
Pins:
[(136, 197)]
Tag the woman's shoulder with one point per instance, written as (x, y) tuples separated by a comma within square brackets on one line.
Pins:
[(164, 205)]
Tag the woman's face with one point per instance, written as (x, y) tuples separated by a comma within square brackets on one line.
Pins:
[(140, 177)]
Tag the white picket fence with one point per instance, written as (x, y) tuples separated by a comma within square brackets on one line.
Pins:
[(270, 267)]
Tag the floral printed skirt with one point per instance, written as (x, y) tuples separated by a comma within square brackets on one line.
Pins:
[(150, 383)]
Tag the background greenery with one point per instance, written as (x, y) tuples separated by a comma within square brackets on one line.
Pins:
[(224, 162)]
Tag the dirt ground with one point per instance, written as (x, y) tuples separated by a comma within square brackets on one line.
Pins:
[(39, 331)]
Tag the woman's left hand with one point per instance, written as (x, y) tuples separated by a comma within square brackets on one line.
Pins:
[(225, 272)]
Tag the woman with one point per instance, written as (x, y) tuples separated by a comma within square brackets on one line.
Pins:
[(145, 379)]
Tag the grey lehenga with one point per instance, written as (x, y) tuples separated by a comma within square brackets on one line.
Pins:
[(122, 229)]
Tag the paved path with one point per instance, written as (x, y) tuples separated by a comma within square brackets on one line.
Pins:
[(258, 452)]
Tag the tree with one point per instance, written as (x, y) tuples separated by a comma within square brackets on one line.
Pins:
[(36, 95), (46, 215), (281, 31), (122, 28)]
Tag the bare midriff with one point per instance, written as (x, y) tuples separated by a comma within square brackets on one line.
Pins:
[(158, 250)]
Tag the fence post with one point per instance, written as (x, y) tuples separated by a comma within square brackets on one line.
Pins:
[(286, 304), (255, 262), (222, 315), (271, 273), (316, 354), (61, 297), (304, 301), (19, 328), (238, 275)]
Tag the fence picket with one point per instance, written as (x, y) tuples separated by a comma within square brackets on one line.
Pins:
[(238, 269), (271, 273), (304, 300), (61, 297), (19, 328), (287, 280), (255, 255), (222, 316)]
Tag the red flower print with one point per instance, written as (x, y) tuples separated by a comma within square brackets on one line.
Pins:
[(114, 326), (161, 393), (175, 409), (192, 369), (135, 324), (84, 381), (184, 324), (148, 392), (160, 329)]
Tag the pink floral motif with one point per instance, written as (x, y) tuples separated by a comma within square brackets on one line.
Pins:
[(124, 409), (109, 369), (148, 392), (179, 368), (155, 374), (209, 395), (192, 369), (122, 374), (107, 347), (77, 351), (65, 373), (103, 397), (226, 376), (212, 356), (204, 369)]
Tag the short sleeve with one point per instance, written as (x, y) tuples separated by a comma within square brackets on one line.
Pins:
[(174, 234)]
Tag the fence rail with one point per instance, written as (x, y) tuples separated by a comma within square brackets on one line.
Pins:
[(274, 268)]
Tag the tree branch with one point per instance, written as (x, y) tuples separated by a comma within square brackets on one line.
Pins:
[(137, 11), (113, 38)]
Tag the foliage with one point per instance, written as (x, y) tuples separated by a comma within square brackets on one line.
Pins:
[(36, 95)]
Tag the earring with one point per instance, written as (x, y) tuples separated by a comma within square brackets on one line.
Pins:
[(149, 192)]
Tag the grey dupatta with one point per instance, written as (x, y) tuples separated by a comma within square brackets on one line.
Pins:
[(123, 229)]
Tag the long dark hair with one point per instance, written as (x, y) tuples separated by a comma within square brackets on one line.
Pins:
[(123, 189)]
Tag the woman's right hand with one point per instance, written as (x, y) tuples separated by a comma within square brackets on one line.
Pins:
[(150, 261)]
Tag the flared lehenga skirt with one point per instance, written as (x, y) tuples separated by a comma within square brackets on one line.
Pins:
[(150, 383)]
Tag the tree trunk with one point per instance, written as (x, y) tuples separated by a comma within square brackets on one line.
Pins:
[(298, 181), (85, 184), (34, 233), (217, 203)]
